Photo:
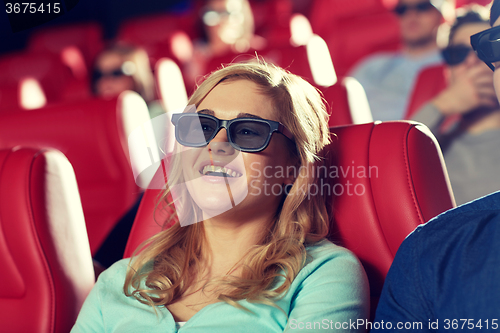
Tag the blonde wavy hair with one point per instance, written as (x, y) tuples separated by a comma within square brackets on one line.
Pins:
[(163, 271)]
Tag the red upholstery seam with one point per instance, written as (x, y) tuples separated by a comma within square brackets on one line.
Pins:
[(381, 229), (411, 187), (43, 256)]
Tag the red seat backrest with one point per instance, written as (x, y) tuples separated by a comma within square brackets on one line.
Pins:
[(398, 169), (463, 3), (9, 96), (86, 37), (347, 103), (44, 251), (385, 179), (156, 27), (324, 12), (292, 58), (354, 30), (92, 136), (272, 20), (430, 82), (159, 35), (56, 79), (352, 39)]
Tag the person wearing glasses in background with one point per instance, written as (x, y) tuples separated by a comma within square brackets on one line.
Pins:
[(470, 145), (444, 277), (246, 249), (117, 68), (121, 67), (388, 77), (227, 29)]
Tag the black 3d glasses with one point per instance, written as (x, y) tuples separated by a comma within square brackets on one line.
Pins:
[(487, 46), (421, 7), (97, 74), (455, 54), (250, 135)]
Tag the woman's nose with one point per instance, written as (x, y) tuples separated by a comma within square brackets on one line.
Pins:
[(220, 144)]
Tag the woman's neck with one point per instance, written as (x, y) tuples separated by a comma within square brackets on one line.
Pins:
[(229, 241)]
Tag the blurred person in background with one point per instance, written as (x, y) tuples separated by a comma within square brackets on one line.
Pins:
[(388, 77), (469, 145), (121, 67), (228, 30)]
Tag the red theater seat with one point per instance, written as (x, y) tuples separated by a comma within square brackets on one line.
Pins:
[(154, 28), (337, 105), (45, 257), (324, 12), (292, 58), (406, 184), (86, 37), (463, 3), (162, 35), (93, 136), (352, 39), (272, 20), (347, 103), (354, 30), (430, 82), (9, 96), (391, 178), (56, 79)]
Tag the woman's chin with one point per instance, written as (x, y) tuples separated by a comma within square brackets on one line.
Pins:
[(217, 197)]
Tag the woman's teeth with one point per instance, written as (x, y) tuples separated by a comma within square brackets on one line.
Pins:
[(215, 170)]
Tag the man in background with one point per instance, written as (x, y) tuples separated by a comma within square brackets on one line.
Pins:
[(388, 77), (470, 144)]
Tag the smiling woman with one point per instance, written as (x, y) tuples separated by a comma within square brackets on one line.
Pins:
[(239, 259)]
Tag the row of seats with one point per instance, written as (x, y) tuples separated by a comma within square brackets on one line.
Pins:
[(42, 226), (77, 45), (351, 30), (92, 134), (312, 61)]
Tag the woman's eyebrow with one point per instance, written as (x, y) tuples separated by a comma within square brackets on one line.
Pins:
[(207, 111), (247, 115), (240, 115)]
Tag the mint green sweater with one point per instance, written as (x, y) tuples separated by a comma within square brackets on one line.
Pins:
[(331, 291)]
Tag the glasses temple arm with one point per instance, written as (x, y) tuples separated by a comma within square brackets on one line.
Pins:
[(282, 129)]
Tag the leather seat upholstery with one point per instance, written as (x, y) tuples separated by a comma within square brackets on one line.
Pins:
[(45, 256)]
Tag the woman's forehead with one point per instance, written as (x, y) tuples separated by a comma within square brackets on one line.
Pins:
[(229, 98)]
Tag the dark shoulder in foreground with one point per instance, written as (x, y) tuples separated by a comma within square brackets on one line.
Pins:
[(471, 215), (447, 270)]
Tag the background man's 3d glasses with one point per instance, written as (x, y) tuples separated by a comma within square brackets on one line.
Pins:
[(455, 54), (420, 7), (487, 46), (245, 134)]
